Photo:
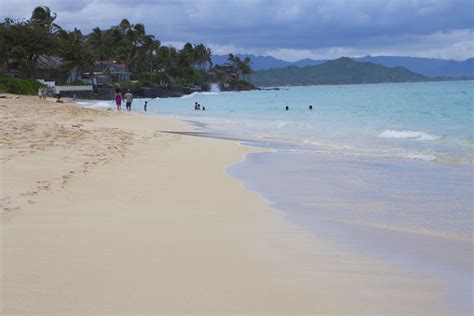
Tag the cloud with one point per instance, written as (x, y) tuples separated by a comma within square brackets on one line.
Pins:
[(461, 47), (300, 27)]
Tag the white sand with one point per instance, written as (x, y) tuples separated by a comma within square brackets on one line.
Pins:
[(116, 216)]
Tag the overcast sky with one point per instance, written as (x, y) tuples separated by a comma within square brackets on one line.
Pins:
[(285, 29)]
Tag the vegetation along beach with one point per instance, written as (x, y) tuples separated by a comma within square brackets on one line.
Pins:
[(191, 158)]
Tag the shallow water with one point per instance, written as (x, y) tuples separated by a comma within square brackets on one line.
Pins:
[(412, 214)]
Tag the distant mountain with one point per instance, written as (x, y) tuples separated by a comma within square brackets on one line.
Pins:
[(456, 69), (307, 62), (343, 70), (267, 62), (430, 67)]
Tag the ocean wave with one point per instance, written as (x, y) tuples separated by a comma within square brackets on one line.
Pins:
[(282, 124), (290, 124), (347, 150), (360, 153), (408, 135), (103, 104), (194, 94), (323, 144), (94, 104), (417, 156)]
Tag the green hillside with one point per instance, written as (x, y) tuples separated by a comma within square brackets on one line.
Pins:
[(339, 71)]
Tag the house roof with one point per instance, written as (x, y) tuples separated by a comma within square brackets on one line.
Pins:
[(50, 62), (111, 63)]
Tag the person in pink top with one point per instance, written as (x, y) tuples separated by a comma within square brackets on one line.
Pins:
[(118, 99)]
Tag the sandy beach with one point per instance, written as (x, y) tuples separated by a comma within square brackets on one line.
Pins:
[(106, 212)]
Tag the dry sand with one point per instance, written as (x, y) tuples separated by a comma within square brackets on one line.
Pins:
[(105, 212)]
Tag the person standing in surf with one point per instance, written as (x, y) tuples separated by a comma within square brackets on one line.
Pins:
[(118, 99), (128, 100)]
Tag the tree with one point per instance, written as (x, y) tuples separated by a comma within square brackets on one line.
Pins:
[(6, 47), (76, 54), (97, 44), (231, 59), (43, 17), (186, 55), (132, 38), (245, 66), (150, 47), (25, 43), (202, 57)]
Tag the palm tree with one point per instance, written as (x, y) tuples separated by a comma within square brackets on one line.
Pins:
[(43, 17), (202, 56), (125, 26), (150, 47), (186, 55), (76, 56), (138, 33), (97, 44), (245, 66), (231, 59), (133, 39)]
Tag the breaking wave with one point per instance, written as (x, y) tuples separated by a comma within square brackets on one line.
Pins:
[(408, 135), (194, 94)]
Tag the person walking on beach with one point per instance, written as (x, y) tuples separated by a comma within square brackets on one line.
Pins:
[(55, 92), (128, 100), (145, 106), (118, 99)]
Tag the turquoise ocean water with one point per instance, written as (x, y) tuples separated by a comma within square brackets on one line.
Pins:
[(424, 121), (383, 169)]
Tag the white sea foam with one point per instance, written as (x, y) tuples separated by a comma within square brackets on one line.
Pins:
[(214, 87), (102, 104), (194, 94), (408, 135), (374, 152), (282, 124), (290, 124), (94, 104), (418, 156)]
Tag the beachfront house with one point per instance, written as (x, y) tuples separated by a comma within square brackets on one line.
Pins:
[(224, 73), (52, 68), (109, 71), (49, 68)]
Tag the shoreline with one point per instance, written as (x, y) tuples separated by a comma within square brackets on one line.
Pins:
[(107, 213), (426, 253)]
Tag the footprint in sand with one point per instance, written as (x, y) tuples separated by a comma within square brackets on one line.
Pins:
[(9, 209)]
